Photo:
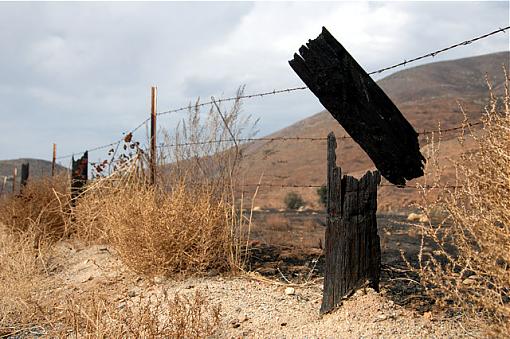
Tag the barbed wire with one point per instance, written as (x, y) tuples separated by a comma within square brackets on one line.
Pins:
[(299, 88), (447, 130), (433, 54), (248, 96), (284, 139), (292, 89), (115, 143), (217, 141), (319, 186)]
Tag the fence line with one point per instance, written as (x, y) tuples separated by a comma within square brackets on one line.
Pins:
[(292, 89), (217, 141), (284, 139), (318, 186), (433, 54)]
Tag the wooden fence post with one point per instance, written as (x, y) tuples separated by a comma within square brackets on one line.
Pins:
[(79, 176), (153, 159), (53, 160), (362, 108), (3, 185), (25, 170), (353, 250), (14, 175)]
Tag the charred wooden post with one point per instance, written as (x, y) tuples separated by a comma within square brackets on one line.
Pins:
[(79, 176), (53, 160), (25, 170), (353, 250), (361, 107)]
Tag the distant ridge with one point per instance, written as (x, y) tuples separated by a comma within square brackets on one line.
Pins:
[(38, 168), (427, 95)]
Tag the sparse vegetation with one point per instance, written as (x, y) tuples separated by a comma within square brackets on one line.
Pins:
[(194, 220), (42, 207), (322, 192), (182, 231), (149, 316), (21, 271), (293, 201), (190, 222), (468, 267)]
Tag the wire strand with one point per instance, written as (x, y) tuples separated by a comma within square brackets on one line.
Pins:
[(292, 89)]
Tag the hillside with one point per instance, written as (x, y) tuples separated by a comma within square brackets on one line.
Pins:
[(427, 95), (38, 168)]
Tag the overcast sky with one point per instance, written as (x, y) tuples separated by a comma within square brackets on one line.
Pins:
[(79, 74)]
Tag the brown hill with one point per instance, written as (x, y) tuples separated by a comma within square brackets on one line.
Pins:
[(427, 95), (38, 168)]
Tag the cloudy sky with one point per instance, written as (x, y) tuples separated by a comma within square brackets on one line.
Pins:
[(79, 74)]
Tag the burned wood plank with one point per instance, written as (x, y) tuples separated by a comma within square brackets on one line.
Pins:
[(353, 250), (361, 107), (79, 176), (25, 171)]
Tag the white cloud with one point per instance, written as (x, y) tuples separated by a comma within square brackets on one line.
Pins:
[(92, 64)]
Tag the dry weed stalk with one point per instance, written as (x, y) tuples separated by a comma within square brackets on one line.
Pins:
[(151, 316), (204, 152), (193, 220), (464, 260), (22, 269), (158, 232)]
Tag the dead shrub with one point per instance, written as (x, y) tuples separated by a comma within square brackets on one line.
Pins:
[(192, 220), (30, 306), (41, 207), (150, 316), (468, 267), (155, 232), (22, 271)]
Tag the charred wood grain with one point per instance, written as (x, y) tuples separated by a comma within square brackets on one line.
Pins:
[(362, 108), (25, 172), (353, 250), (79, 176)]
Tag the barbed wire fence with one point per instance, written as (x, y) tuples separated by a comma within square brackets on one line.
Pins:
[(115, 144)]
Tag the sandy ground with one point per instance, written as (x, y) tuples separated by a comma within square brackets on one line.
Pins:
[(253, 306)]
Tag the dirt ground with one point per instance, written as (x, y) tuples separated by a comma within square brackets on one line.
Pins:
[(260, 304)]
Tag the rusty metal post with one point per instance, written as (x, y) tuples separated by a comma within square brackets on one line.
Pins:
[(153, 160), (53, 160)]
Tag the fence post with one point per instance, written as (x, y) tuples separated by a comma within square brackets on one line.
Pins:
[(79, 176), (353, 250), (14, 175), (53, 160), (362, 108), (153, 136), (3, 185), (25, 170)]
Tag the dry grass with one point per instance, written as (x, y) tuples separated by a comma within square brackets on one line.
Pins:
[(468, 267), (161, 233), (21, 275), (151, 316), (192, 220), (42, 207), (30, 304)]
